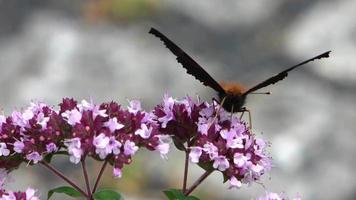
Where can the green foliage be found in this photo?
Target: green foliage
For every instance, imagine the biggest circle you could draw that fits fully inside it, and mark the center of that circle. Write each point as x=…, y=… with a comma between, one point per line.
x=174, y=194
x=64, y=190
x=107, y=194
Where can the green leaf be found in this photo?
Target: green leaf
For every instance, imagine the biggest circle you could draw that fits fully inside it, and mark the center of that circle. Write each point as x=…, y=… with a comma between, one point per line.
x=48, y=158
x=226, y=178
x=179, y=144
x=65, y=190
x=107, y=194
x=207, y=166
x=174, y=194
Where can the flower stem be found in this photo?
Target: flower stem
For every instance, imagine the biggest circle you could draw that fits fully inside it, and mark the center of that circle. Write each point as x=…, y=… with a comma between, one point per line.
x=87, y=183
x=99, y=175
x=186, y=166
x=198, y=182
x=61, y=175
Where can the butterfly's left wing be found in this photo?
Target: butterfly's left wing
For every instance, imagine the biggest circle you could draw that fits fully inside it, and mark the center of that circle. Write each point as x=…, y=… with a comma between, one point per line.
x=188, y=63
x=283, y=74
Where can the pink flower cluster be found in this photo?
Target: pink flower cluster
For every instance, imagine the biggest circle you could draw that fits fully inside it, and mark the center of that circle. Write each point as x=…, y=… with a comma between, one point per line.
x=104, y=131
x=216, y=139
x=275, y=196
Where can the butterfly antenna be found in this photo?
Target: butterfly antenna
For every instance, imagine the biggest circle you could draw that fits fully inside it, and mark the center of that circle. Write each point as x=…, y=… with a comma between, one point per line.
x=266, y=93
x=218, y=111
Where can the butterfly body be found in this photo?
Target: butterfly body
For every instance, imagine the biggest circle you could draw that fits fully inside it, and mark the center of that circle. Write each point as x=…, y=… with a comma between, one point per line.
x=232, y=96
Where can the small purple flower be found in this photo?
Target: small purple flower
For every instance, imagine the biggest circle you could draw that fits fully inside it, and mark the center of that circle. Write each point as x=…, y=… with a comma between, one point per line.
x=203, y=128
x=17, y=119
x=75, y=155
x=114, y=145
x=117, y=172
x=258, y=169
x=207, y=112
x=73, y=116
x=195, y=153
x=234, y=183
x=42, y=120
x=168, y=102
x=134, y=107
x=3, y=149
x=232, y=139
x=101, y=142
x=27, y=115
x=221, y=163
x=18, y=146
x=130, y=148
x=74, y=150
x=35, y=157
x=144, y=132
x=165, y=119
x=163, y=146
x=30, y=194
x=211, y=150
x=37, y=106
x=85, y=106
x=240, y=160
x=51, y=147
x=113, y=125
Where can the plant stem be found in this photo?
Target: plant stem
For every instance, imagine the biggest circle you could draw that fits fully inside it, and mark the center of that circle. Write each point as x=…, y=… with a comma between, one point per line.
x=99, y=175
x=87, y=183
x=60, y=174
x=186, y=166
x=198, y=182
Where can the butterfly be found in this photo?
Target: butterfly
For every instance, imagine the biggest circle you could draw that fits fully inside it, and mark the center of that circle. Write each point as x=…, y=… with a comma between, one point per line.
x=232, y=96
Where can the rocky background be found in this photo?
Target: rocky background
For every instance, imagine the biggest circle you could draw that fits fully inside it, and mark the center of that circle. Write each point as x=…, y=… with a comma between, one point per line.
x=101, y=49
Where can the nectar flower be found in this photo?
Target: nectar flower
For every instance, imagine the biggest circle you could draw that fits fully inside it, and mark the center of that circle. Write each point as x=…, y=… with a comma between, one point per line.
x=102, y=131
x=35, y=157
x=113, y=125
x=144, y=132
x=130, y=148
x=195, y=153
x=3, y=149
x=134, y=107
x=73, y=116
x=117, y=172
x=216, y=138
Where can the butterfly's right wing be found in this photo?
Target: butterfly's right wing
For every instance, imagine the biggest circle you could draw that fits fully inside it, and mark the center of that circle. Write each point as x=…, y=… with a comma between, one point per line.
x=280, y=76
x=188, y=63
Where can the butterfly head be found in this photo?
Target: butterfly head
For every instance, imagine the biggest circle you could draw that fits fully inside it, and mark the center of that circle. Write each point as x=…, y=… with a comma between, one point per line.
x=233, y=99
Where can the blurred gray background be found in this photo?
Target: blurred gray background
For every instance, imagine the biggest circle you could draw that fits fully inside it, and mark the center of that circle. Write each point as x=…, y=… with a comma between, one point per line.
x=101, y=49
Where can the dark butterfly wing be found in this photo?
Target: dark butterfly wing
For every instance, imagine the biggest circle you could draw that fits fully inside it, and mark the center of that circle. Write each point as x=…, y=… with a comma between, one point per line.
x=283, y=74
x=188, y=63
